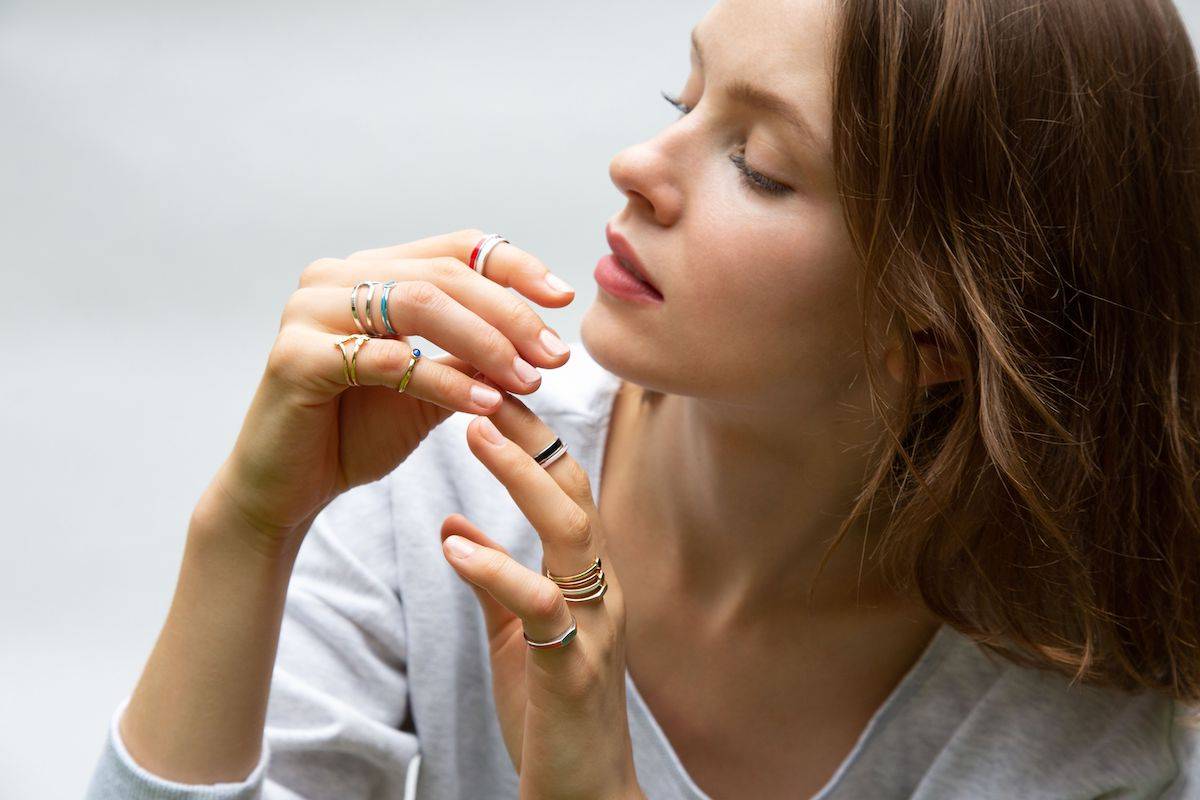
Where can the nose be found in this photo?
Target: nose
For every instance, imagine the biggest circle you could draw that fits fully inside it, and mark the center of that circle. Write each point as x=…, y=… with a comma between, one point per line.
x=646, y=174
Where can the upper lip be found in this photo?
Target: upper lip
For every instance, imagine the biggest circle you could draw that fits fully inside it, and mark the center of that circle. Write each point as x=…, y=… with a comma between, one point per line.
x=625, y=253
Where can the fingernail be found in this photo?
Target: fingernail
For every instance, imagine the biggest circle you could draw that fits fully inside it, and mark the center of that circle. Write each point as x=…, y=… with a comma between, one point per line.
x=460, y=547
x=484, y=396
x=556, y=283
x=524, y=371
x=489, y=431
x=554, y=345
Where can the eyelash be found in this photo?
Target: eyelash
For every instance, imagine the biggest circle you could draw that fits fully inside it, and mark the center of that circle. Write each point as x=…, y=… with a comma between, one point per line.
x=754, y=179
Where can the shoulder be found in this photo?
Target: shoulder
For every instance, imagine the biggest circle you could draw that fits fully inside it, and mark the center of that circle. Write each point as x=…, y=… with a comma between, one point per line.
x=1049, y=735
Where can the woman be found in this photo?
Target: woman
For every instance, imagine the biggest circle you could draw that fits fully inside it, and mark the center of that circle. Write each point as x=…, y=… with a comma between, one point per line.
x=892, y=452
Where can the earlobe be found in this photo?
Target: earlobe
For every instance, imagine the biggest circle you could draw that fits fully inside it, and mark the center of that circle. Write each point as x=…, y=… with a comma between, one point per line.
x=936, y=365
x=935, y=362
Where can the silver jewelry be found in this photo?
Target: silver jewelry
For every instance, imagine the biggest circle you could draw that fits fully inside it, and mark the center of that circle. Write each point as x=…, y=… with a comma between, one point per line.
x=354, y=307
x=483, y=249
x=558, y=641
x=552, y=452
x=383, y=312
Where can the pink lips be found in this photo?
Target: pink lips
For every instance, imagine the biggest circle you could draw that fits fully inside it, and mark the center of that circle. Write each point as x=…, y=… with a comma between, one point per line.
x=625, y=253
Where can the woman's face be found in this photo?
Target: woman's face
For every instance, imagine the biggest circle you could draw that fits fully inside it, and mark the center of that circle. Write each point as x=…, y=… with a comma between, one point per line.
x=759, y=287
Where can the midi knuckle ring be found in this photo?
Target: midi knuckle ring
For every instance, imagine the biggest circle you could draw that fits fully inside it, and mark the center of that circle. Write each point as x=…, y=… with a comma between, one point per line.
x=354, y=341
x=483, y=249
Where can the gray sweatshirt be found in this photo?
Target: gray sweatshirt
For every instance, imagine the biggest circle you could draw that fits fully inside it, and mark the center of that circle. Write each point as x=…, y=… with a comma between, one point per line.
x=382, y=685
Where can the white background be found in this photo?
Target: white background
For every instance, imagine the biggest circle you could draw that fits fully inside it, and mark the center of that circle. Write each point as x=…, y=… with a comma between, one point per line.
x=166, y=171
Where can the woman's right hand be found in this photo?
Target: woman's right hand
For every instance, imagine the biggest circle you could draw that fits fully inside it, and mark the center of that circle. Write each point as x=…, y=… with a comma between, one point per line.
x=308, y=437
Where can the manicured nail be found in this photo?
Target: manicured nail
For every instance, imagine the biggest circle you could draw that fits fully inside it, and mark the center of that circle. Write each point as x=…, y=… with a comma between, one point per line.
x=460, y=547
x=489, y=431
x=554, y=345
x=484, y=396
x=524, y=371
x=556, y=283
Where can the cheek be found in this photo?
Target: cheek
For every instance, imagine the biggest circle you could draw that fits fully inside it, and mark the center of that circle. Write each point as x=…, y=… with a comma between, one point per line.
x=795, y=277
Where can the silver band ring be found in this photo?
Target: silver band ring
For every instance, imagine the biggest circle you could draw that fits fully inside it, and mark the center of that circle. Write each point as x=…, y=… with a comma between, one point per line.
x=485, y=248
x=558, y=641
x=354, y=306
x=383, y=312
x=370, y=330
x=552, y=452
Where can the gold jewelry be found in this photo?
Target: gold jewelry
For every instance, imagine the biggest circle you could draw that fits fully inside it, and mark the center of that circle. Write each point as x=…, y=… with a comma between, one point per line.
x=412, y=362
x=349, y=365
x=583, y=586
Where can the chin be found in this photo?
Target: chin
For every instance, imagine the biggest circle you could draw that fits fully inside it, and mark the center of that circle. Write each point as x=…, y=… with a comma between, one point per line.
x=631, y=354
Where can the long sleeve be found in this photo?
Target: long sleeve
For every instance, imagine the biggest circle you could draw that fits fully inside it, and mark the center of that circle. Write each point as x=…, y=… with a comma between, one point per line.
x=338, y=721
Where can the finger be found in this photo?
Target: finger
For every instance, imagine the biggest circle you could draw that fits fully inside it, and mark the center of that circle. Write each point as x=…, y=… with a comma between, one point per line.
x=508, y=313
x=519, y=424
x=495, y=616
x=419, y=307
x=507, y=265
x=534, y=599
x=566, y=530
x=310, y=358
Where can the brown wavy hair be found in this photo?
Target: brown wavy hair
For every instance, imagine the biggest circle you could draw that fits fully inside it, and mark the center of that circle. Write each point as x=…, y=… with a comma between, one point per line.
x=1022, y=184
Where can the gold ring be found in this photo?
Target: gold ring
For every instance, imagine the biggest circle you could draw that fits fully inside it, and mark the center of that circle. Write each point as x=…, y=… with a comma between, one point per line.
x=349, y=365
x=412, y=362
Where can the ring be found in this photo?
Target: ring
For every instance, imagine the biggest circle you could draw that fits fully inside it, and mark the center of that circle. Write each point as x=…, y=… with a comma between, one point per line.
x=483, y=249
x=551, y=453
x=558, y=641
x=412, y=362
x=354, y=307
x=581, y=587
x=387, y=290
x=349, y=364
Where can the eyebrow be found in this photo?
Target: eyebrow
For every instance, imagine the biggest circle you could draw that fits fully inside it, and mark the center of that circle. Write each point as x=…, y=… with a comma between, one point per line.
x=752, y=95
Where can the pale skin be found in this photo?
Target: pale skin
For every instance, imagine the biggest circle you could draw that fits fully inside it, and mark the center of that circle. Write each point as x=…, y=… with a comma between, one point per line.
x=721, y=497
x=717, y=502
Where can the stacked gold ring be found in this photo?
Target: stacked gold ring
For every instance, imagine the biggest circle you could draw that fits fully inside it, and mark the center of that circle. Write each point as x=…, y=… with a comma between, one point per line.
x=583, y=586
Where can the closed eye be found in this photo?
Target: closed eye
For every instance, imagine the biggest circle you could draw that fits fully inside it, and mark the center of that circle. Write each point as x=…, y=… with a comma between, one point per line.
x=753, y=178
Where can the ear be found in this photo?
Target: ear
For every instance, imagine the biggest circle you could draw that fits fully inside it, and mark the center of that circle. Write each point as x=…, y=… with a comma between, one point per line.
x=935, y=362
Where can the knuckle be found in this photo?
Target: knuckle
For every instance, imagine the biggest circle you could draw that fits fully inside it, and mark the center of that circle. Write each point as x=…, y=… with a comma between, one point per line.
x=317, y=270
x=546, y=597
x=524, y=318
x=287, y=354
x=525, y=471
x=445, y=267
x=472, y=234
x=576, y=483
x=577, y=527
x=390, y=355
x=579, y=684
x=445, y=382
x=492, y=567
x=297, y=304
x=423, y=293
x=497, y=343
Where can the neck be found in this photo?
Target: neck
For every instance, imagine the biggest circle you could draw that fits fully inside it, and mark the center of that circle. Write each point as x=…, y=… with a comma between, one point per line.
x=736, y=508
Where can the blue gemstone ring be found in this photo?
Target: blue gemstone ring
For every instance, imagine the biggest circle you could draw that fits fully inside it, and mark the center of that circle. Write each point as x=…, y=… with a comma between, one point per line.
x=412, y=362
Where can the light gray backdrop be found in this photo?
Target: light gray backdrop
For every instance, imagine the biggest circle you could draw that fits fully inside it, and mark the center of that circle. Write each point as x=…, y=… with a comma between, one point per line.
x=166, y=171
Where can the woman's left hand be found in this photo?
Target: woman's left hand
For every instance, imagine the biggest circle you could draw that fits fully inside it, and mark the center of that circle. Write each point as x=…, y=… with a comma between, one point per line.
x=561, y=710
